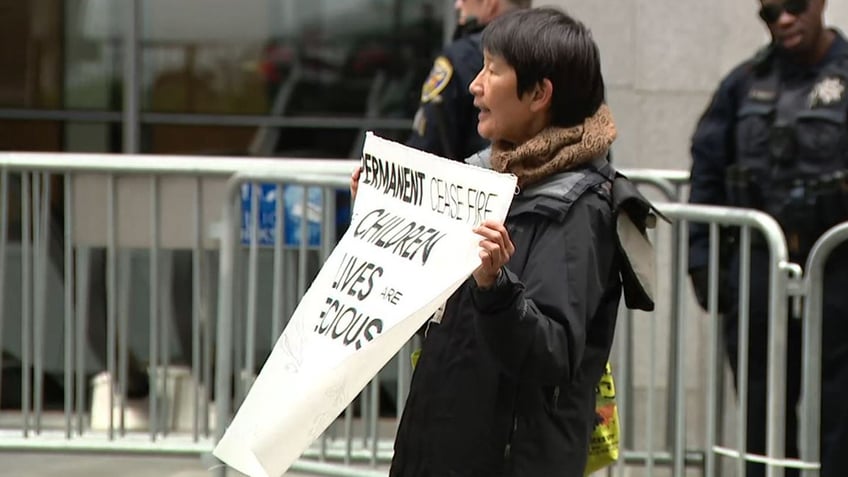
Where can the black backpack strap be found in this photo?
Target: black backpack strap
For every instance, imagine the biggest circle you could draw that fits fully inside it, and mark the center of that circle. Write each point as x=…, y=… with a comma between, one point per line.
x=634, y=214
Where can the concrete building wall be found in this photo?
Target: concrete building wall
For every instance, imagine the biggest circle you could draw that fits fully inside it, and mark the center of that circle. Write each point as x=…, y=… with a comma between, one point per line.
x=662, y=60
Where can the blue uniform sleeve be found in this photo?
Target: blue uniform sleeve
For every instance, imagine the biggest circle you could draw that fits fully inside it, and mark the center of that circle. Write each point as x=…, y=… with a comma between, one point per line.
x=713, y=150
x=444, y=124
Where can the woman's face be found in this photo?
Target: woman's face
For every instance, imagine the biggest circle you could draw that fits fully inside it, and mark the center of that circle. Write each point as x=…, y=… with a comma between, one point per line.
x=504, y=116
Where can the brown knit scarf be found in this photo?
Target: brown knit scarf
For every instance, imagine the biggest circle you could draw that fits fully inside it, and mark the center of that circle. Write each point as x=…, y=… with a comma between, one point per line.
x=556, y=149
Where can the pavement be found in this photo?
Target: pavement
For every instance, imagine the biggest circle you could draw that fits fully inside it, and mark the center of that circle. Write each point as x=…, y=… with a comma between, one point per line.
x=50, y=454
x=88, y=465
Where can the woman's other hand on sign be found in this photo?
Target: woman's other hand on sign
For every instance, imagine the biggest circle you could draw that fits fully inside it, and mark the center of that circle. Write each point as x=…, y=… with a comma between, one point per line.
x=496, y=248
x=354, y=182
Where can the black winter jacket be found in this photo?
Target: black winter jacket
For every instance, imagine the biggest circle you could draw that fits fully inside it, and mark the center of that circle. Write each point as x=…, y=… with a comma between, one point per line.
x=505, y=383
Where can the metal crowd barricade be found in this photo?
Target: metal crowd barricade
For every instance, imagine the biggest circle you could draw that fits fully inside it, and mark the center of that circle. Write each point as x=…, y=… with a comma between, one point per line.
x=672, y=307
x=367, y=440
x=810, y=407
x=252, y=313
x=372, y=446
x=121, y=204
x=779, y=291
x=670, y=184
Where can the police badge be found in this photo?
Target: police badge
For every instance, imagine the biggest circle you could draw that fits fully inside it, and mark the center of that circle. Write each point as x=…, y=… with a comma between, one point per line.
x=827, y=91
x=438, y=80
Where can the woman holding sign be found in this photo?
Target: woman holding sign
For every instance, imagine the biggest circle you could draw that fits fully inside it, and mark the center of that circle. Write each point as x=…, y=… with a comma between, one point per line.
x=505, y=383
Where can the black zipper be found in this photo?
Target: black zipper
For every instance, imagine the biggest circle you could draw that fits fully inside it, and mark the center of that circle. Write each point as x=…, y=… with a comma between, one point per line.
x=508, y=448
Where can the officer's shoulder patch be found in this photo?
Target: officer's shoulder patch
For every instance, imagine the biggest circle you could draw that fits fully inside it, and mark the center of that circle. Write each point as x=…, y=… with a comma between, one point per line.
x=438, y=80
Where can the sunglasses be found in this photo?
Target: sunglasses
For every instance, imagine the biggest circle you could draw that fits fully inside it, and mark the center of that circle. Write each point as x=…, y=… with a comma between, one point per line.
x=771, y=12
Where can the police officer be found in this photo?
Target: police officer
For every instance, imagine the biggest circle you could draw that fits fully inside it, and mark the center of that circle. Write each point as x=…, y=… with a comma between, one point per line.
x=446, y=121
x=775, y=138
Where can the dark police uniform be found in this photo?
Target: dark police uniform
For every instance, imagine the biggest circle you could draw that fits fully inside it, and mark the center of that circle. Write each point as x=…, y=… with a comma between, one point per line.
x=775, y=138
x=446, y=121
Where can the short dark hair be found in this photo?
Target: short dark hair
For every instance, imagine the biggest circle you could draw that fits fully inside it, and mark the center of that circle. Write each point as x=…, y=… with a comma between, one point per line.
x=547, y=43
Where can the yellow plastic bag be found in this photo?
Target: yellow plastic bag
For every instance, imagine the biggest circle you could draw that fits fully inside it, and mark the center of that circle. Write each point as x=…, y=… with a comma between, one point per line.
x=414, y=357
x=603, y=448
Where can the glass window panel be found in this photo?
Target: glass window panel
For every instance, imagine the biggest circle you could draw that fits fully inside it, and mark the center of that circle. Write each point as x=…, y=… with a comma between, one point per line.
x=356, y=58
x=30, y=53
x=316, y=142
x=92, y=137
x=94, y=36
x=30, y=135
x=61, y=54
x=196, y=140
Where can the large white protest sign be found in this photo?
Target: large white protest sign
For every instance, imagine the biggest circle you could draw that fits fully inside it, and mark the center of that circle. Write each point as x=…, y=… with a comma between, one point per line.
x=409, y=246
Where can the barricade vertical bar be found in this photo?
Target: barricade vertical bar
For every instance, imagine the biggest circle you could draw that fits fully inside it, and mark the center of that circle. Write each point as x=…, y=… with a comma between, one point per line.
x=744, y=321
x=290, y=286
x=373, y=417
x=652, y=379
x=286, y=287
x=621, y=393
x=166, y=319
x=196, y=300
x=810, y=415
x=154, y=303
x=322, y=455
x=82, y=273
x=208, y=365
x=26, y=301
x=674, y=333
x=364, y=410
x=69, y=303
x=304, y=244
x=123, y=286
x=328, y=233
x=778, y=335
x=279, y=241
x=224, y=357
x=348, y=433
x=37, y=303
x=111, y=289
x=713, y=373
x=238, y=318
x=327, y=206
x=322, y=450
x=40, y=260
x=323, y=241
x=719, y=364
x=679, y=449
x=252, y=274
x=44, y=253
x=652, y=364
x=626, y=379
x=4, y=233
